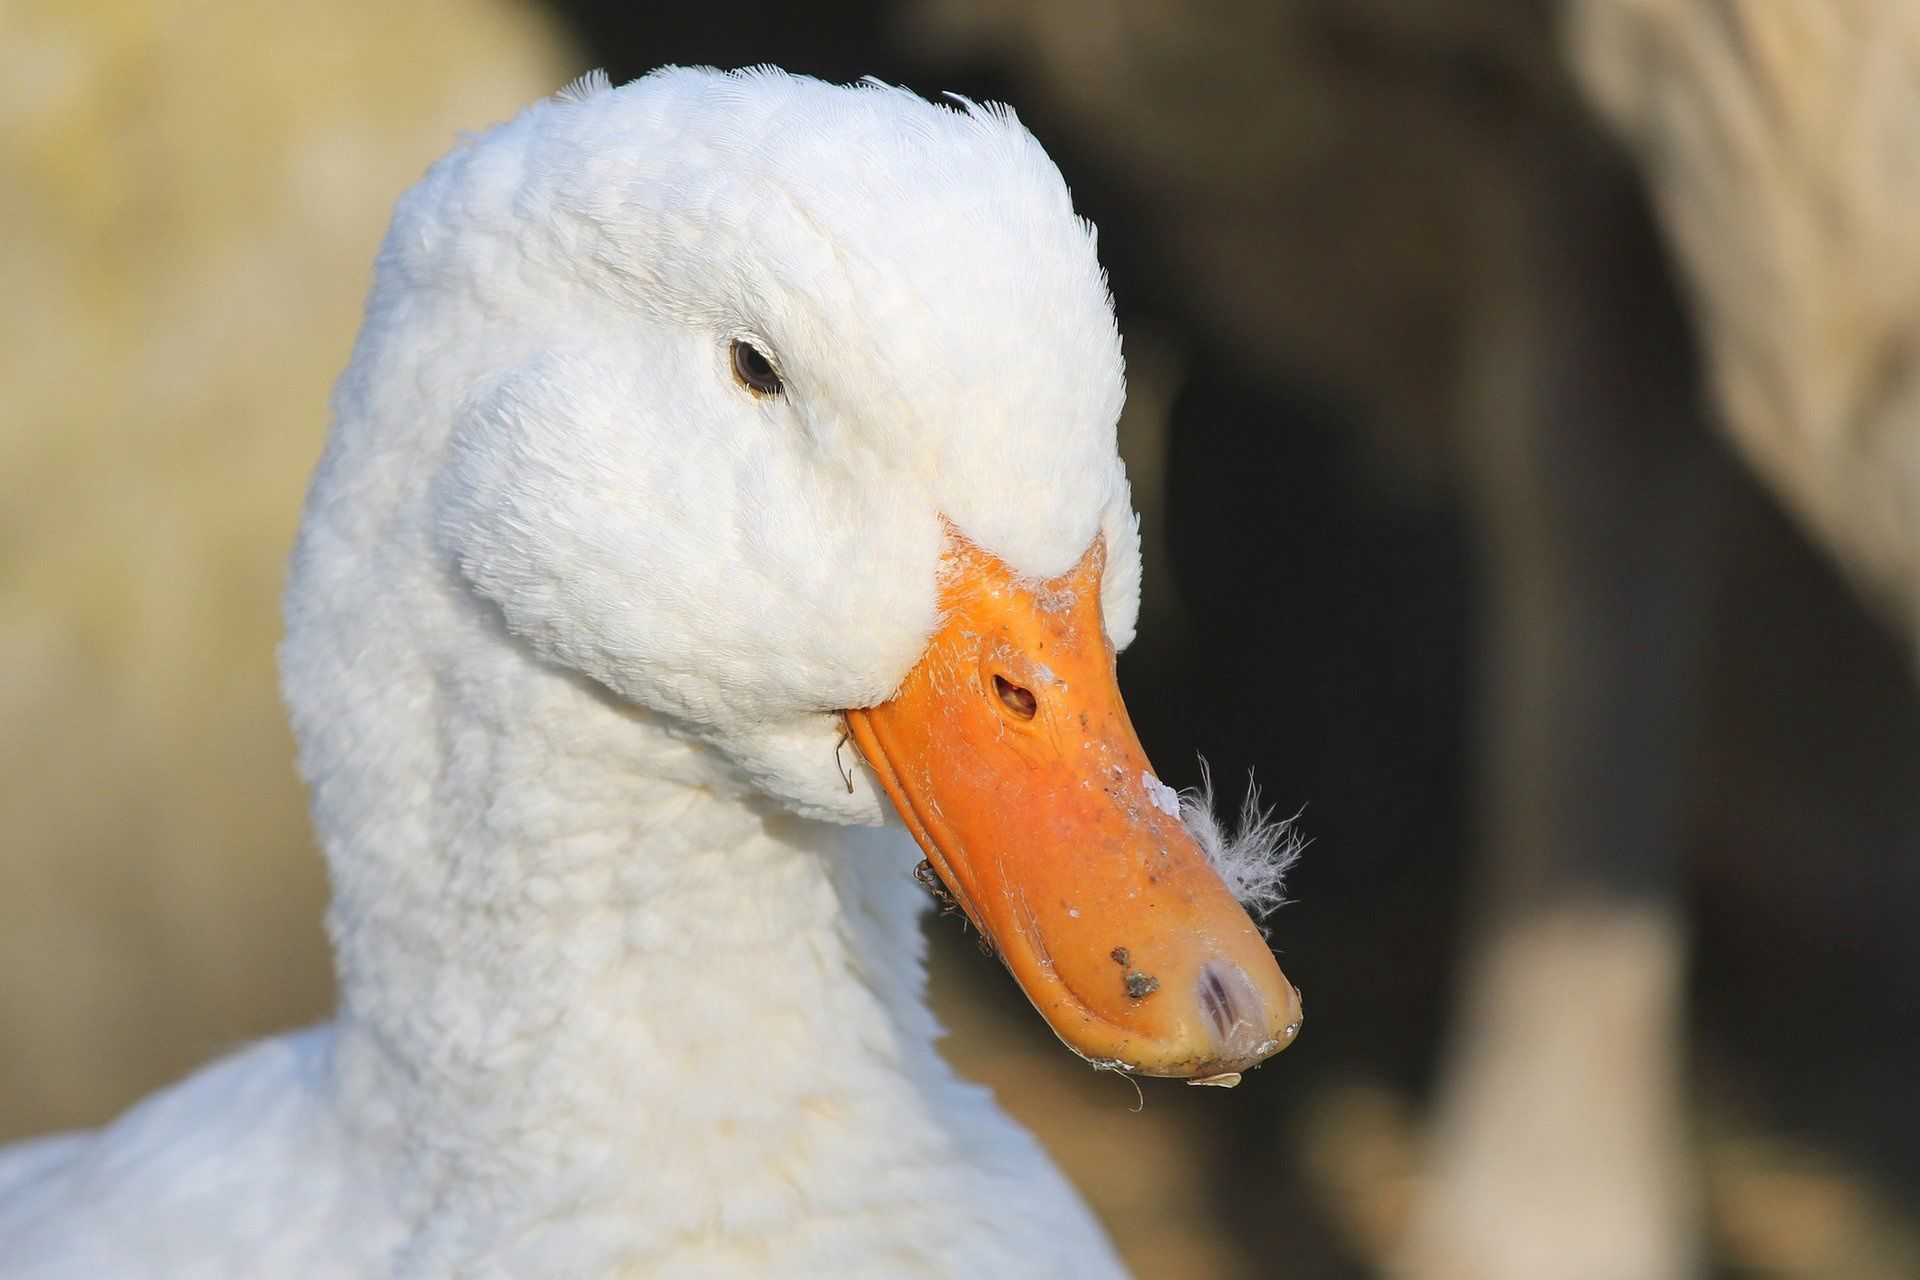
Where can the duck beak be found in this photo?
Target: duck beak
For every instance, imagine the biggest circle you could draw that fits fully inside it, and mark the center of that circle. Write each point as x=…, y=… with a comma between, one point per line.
x=1010, y=755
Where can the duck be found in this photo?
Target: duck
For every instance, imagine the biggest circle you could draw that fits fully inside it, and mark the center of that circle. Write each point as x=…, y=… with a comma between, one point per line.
x=718, y=540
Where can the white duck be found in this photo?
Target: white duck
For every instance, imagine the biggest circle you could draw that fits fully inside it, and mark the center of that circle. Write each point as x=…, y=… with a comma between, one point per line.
x=686, y=416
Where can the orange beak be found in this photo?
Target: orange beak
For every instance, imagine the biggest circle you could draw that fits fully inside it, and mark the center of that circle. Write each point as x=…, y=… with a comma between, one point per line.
x=1010, y=755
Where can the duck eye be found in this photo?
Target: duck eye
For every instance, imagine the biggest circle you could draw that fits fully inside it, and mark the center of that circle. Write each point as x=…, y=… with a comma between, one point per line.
x=1019, y=702
x=755, y=371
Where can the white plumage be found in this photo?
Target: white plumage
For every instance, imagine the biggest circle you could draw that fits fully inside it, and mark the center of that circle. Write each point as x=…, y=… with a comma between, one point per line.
x=622, y=991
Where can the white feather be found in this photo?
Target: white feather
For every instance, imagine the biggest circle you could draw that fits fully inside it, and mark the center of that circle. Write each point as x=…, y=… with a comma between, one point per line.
x=1255, y=858
x=584, y=87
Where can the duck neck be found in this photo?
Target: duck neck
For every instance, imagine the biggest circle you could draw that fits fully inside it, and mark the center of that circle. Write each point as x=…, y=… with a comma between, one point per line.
x=580, y=976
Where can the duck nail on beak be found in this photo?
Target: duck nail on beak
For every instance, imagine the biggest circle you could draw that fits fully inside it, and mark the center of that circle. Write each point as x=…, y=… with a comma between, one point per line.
x=1010, y=755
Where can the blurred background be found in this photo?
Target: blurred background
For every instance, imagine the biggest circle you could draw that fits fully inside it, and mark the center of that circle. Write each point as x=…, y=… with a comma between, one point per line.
x=1525, y=419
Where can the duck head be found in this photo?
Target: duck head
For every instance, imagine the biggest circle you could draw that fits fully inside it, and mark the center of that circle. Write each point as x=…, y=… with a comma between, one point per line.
x=783, y=412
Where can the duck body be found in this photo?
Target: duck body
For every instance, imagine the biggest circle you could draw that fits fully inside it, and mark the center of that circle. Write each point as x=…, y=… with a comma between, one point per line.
x=270, y=1164
x=631, y=973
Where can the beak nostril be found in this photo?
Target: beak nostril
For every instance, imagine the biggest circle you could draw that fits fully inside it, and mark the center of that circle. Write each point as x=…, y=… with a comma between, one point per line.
x=1019, y=702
